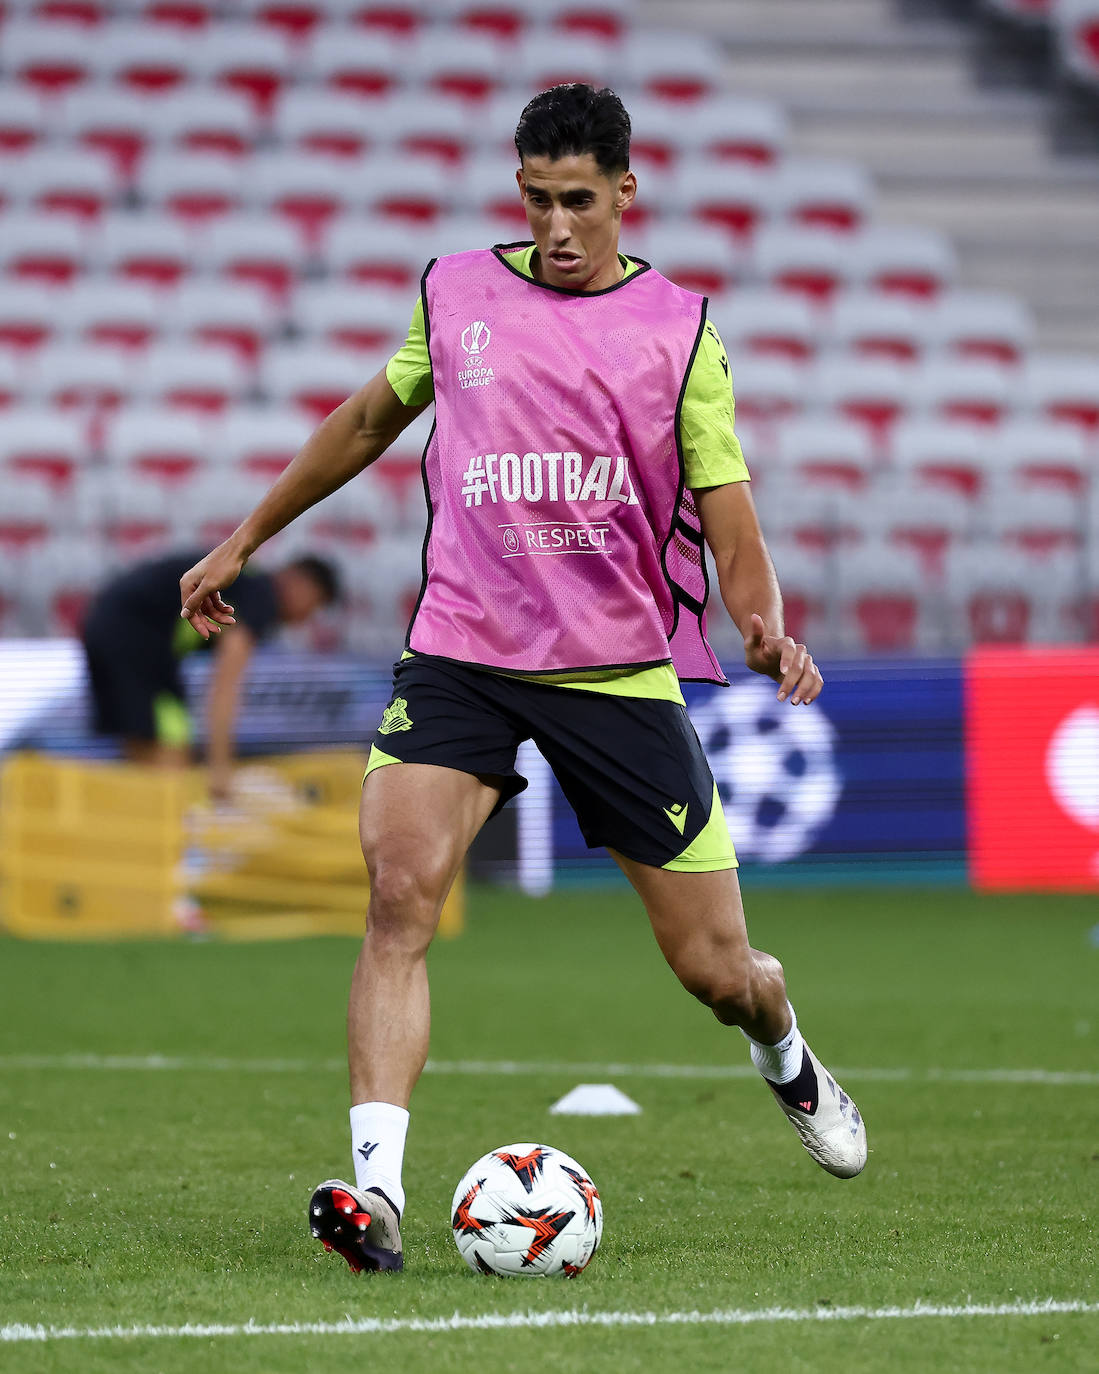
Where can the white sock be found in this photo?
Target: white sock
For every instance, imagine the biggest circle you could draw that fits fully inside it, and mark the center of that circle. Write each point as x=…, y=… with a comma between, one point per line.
x=782, y=1062
x=378, y=1131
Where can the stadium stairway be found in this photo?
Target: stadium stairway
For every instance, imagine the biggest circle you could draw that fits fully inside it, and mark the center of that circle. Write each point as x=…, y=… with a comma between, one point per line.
x=899, y=97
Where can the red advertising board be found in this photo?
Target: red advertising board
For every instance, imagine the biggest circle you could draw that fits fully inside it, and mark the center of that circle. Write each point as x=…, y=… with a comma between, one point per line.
x=1032, y=764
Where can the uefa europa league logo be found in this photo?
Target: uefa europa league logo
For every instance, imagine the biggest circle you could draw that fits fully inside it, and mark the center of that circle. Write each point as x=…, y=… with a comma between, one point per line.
x=476, y=337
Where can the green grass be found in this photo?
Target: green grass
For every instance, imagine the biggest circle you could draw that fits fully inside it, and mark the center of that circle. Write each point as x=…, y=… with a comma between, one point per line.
x=131, y=1196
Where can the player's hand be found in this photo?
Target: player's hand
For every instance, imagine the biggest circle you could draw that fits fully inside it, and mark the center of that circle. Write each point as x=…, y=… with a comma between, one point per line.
x=779, y=657
x=200, y=590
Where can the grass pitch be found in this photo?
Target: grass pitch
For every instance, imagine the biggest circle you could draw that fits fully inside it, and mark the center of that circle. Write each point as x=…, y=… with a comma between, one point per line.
x=136, y=1192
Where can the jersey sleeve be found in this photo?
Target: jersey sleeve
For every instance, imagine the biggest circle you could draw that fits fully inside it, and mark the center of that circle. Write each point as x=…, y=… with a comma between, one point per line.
x=712, y=455
x=408, y=372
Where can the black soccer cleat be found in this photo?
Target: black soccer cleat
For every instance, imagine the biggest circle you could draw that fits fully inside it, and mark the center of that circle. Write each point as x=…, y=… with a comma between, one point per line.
x=363, y=1227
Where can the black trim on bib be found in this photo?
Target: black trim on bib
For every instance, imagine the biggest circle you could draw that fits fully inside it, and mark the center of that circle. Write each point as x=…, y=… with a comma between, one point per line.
x=499, y=249
x=423, y=461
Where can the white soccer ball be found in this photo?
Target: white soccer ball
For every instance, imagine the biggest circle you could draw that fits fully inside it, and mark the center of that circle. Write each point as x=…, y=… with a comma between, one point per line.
x=527, y=1210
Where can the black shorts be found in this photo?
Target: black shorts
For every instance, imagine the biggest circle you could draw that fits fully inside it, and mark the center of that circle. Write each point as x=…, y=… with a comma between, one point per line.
x=631, y=768
x=136, y=688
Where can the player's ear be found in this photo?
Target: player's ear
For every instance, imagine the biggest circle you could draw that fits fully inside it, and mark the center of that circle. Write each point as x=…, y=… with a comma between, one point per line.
x=520, y=182
x=627, y=189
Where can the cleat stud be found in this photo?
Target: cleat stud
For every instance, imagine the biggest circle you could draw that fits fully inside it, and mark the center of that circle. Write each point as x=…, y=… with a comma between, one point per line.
x=316, y=1230
x=316, y=1211
x=348, y=1209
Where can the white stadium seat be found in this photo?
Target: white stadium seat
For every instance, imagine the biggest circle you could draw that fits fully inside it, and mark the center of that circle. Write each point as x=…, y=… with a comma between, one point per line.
x=812, y=262
x=551, y=59
x=81, y=375
x=47, y=58
x=1043, y=453
x=30, y=314
x=734, y=197
x=203, y=119
x=23, y=117
x=325, y=122
x=958, y=389
x=826, y=450
x=907, y=260
x=261, y=439
x=363, y=63
x=42, y=440
x=151, y=248
x=315, y=380
x=193, y=187
x=760, y=320
x=113, y=313
x=202, y=378
x=241, y=314
x=254, y=248
x=875, y=324
x=34, y=246
x=945, y=453
x=63, y=181
x=700, y=257
x=983, y=325
x=673, y=66
x=1063, y=387
x=822, y=194
x=384, y=252
x=337, y=314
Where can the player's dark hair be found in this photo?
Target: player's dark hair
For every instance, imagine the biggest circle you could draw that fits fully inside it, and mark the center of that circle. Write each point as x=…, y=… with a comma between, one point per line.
x=573, y=120
x=323, y=573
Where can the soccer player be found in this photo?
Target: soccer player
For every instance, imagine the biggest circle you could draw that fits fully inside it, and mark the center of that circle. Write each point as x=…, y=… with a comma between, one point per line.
x=134, y=643
x=583, y=452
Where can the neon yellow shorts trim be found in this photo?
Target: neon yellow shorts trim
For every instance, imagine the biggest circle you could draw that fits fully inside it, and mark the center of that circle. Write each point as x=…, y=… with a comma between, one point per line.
x=171, y=721
x=711, y=849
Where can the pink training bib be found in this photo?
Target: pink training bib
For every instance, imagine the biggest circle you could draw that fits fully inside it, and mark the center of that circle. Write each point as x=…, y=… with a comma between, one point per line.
x=561, y=535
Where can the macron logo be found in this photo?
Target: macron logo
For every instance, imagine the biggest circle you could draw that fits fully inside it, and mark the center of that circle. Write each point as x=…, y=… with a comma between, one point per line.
x=368, y=1149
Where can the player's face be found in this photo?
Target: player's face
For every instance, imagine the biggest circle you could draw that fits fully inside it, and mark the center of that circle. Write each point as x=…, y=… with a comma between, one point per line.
x=575, y=212
x=299, y=595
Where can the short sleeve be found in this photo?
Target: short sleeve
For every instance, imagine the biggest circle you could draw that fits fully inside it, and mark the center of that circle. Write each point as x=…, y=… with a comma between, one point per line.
x=408, y=372
x=712, y=454
x=255, y=603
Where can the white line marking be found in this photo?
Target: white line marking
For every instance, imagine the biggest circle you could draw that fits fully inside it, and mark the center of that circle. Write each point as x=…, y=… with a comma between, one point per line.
x=510, y=1068
x=494, y=1321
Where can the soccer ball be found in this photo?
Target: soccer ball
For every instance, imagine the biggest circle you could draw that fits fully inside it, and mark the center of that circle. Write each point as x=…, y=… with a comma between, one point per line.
x=527, y=1210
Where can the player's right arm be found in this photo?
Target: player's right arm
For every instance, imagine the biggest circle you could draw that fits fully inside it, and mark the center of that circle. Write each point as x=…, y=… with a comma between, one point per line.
x=347, y=441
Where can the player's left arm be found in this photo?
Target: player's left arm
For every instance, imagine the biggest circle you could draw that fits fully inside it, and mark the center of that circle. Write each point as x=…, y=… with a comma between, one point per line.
x=234, y=650
x=750, y=590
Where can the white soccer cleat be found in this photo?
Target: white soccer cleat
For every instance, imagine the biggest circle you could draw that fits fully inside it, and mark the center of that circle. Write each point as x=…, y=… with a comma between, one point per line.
x=832, y=1128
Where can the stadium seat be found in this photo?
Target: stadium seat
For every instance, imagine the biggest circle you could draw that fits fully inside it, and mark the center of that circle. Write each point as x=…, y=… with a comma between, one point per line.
x=256, y=249
x=826, y=450
x=157, y=441
x=219, y=501
x=378, y=251
x=29, y=512
x=767, y=389
x=136, y=512
x=320, y=121
x=873, y=324
x=409, y=190
x=359, y=514
x=179, y=14
x=732, y=197
x=41, y=443
x=1042, y=454
x=304, y=188
x=111, y=120
x=982, y=325
x=957, y=389
x=49, y=59
x=733, y=129
x=23, y=120
x=243, y=57
x=242, y=315
x=396, y=18
x=1035, y=519
x=315, y=381
x=883, y=606
x=441, y=128
x=383, y=584
x=150, y=58
x=115, y=314
x=1063, y=387
x=805, y=576
x=463, y=234
x=466, y=65
x=260, y=439
x=88, y=378
x=816, y=518
x=292, y=20
x=822, y=194
x=63, y=181
x=499, y=19
x=954, y=456
x=873, y=392
x=1077, y=24
x=29, y=314
x=698, y=256
x=203, y=119
x=359, y=63
x=151, y=249
x=203, y=379
x=49, y=249
x=58, y=578
x=608, y=20
x=906, y=261
x=999, y=595
x=760, y=321
x=677, y=67
x=193, y=187
x=551, y=59
x=14, y=381
x=914, y=515
x=490, y=191
x=336, y=314
x=812, y=262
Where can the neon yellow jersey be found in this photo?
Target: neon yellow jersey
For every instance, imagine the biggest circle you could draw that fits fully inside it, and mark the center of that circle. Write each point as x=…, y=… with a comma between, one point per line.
x=712, y=457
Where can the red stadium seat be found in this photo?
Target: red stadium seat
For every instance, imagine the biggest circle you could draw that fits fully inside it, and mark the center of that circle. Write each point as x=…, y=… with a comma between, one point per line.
x=30, y=315
x=1035, y=519
x=320, y=121
x=906, y=261
x=763, y=322
x=874, y=324
x=67, y=182
x=335, y=314
x=550, y=59
x=1064, y=387
x=826, y=451
x=378, y=251
x=261, y=439
x=607, y=20
x=49, y=249
x=241, y=57
x=151, y=249
x=158, y=442
x=820, y=194
x=673, y=66
x=180, y=14
x=306, y=189
x=465, y=65
x=111, y=120
x=882, y=600
x=698, y=256
x=871, y=391
x=811, y=262
x=256, y=249
x=48, y=58
x=1044, y=454
x=397, y=18
x=205, y=380
x=13, y=377
x=43, y=444
x=955, y=457
x=114, y=314
x=1077, y=23
x=366, y=63
x=976, y=393
x=240, y=315
x=982, y=325
x=151, y=59
x=193, y=187
x=76, y=376
x=499, y=19
x=201, y=119
x=732, y=197
x=313, y=380
x=732, y=129
x=23, y=120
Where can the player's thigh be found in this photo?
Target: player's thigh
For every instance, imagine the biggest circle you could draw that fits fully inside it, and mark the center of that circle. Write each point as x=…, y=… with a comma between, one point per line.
x=697, y=918
x=416, y=822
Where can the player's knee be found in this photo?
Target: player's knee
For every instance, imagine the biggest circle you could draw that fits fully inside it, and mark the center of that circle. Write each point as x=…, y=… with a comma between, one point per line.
x=404, y=904
x=719, y=979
